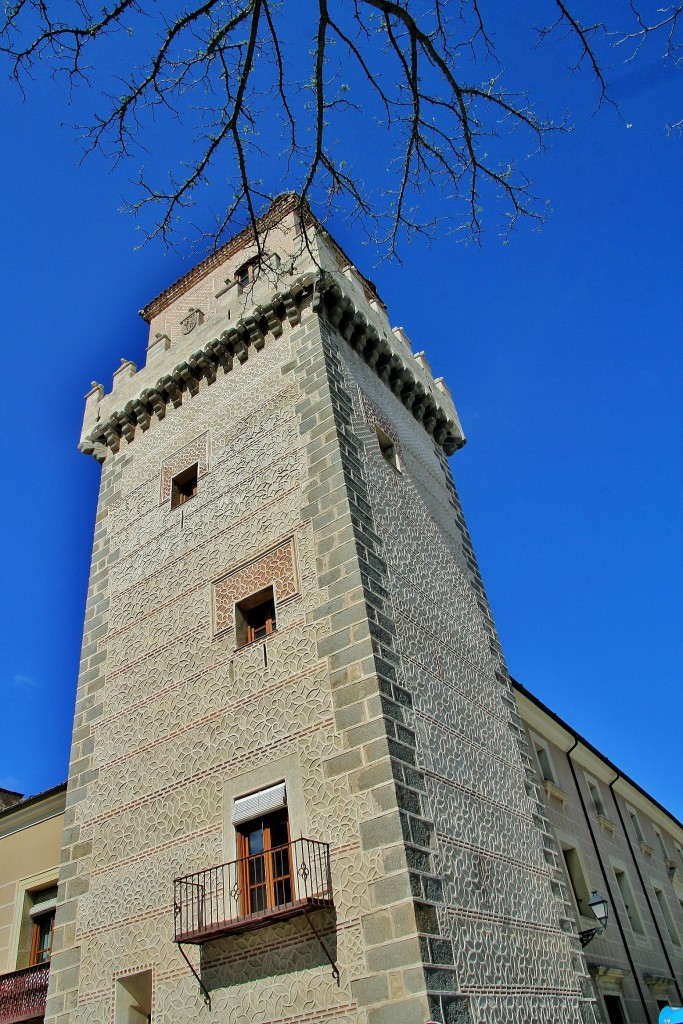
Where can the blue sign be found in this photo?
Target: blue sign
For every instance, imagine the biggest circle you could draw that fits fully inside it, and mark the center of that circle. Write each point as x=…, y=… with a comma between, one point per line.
x=671, y=1015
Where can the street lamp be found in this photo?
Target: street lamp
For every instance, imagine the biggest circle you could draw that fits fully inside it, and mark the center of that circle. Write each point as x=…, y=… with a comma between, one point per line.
x=600, y=908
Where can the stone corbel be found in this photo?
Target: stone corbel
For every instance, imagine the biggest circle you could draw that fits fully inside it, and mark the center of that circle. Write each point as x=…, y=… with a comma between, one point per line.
x=375, y=350
x=358, y=339
x=440, y=428
x=127, y=426
x=188, y=376
x=355, y=323
x=420, y=402
x=232, y=340
x=140, y=412
x=429, y=421
x=172, y=389
x=203, y=366
x=273, y=321
x=110, y=432
x=451, y=444
x=98, y=450
x=335, y=313
x=291, y=309
x=219, y=351
x=369, y=339
x=150, y=396
x=255, y=333
x=400, y=380
x=386, y=365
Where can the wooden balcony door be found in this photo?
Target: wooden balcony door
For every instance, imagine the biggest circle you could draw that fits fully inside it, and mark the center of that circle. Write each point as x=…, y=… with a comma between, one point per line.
x=266, y=863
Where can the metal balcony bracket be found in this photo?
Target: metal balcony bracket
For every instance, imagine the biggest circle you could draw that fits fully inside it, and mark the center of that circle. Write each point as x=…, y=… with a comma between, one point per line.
x=207, y=997
x=323, y=946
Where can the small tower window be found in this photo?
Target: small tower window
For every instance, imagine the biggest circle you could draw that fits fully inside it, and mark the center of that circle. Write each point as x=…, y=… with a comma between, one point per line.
x=387, y=446
x=184, y=485
x=255, y=617
x=246, y=274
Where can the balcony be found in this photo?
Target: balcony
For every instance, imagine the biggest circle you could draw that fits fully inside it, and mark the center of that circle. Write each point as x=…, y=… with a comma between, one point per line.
x=23, y=994
x=252, y=892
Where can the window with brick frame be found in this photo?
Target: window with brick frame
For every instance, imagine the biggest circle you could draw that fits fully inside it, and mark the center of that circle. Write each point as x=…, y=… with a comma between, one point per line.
x=255, y=617
x=184, y=485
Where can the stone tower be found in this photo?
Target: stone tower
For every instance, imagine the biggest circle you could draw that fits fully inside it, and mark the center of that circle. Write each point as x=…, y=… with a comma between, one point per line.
x=299, y=787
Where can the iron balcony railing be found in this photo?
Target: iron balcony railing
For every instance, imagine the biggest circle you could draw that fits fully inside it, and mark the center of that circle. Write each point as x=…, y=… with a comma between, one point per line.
x=252, y=891
x=23, y=994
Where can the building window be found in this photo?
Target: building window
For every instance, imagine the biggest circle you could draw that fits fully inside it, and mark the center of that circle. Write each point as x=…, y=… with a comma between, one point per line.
x=184, y=485
x=662, y=845
x=263, y=846
x=636, y=825
x=543, y=757
x=38, y=927
x=629, y=901
x=133, y=999
x=387, y=446
x=615, y=1010
x=668, y=917
x=255, y=617
x=577, y=879
x=594, y=791
x=41, y=941
x=246, y=274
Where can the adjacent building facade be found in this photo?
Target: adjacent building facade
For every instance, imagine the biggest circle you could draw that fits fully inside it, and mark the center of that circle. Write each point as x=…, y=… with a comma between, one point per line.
x=300, y=787
x=615, y=839
x=30, y=843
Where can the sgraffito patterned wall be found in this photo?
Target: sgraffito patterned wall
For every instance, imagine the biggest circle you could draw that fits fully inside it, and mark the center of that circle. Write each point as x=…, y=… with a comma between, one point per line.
x=178, y=712
x=489, y=897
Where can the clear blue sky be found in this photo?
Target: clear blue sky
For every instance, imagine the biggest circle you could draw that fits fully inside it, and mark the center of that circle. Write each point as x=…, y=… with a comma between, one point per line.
x=563, y=350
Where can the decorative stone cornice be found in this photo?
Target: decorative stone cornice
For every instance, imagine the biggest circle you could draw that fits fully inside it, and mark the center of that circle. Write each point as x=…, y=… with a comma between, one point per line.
x=659, y=984
x=328, y=299
x=608, y=973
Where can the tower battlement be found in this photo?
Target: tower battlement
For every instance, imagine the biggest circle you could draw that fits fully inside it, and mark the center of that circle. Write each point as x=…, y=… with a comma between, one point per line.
x=232, y=303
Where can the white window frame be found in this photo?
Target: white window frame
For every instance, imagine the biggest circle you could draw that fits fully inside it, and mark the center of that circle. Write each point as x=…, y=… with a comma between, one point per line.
x=669, y=921
x=538, y=743
x=635, y=822
x=618, y=870
x=593, y=787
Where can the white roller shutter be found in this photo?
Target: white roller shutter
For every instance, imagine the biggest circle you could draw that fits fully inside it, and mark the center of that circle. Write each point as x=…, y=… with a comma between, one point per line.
x=263, y=802
x=43, y=908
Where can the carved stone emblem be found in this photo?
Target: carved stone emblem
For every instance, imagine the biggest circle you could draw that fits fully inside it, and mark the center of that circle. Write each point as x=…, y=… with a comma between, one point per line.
x=194, y=318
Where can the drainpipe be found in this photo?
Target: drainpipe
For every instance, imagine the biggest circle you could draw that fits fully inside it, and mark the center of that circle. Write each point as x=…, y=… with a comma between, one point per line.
x=606, y=880
x=642, y=886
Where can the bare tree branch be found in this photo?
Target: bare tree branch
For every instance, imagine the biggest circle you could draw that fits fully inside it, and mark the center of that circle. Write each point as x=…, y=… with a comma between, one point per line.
x=253, y=114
